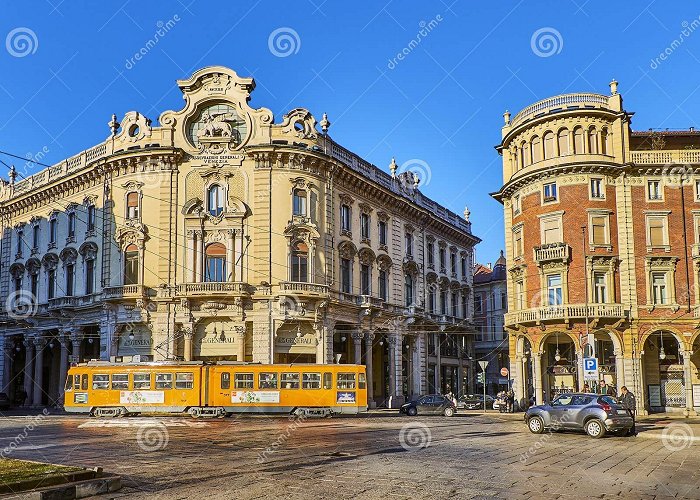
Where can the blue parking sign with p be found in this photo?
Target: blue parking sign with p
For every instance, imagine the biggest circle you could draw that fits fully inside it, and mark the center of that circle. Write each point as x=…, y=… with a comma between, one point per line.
x=590, y=364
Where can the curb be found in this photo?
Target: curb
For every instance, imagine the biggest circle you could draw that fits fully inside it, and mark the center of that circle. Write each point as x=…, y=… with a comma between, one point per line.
x=80, y=489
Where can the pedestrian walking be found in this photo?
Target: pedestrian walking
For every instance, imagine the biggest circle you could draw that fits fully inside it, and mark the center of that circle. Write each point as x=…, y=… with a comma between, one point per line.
x=510, y=398
x=629, y=402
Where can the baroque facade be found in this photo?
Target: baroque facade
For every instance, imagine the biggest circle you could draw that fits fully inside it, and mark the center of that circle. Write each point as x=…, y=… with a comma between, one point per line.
x=490, y=307
x=219, y=234
x=602, y=231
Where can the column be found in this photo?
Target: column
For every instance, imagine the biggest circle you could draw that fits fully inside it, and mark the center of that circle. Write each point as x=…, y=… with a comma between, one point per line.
x=238, y=276
x=190, y=271
x=357, y=346
x=28, y=369
x=187, y=334
x=438, y=362
x=39, y=343
x=7, y=367
x=518, y=379
x=369, y=344
x=232, y=276
x=63, y=370
x=537, y=377
x=619, y=370
x=688, y=383
x=199, y=257
x=76, y=339
x=394, y=346
x=240, y=338
x=4, y=361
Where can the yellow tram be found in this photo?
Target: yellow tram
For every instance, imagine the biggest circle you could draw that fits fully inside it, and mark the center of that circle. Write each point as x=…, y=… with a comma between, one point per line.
x=103, y=389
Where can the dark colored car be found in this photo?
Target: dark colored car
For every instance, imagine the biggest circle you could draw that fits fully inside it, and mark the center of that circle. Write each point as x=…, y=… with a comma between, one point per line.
x=432, y=404
x=475, y=402
x=4, y=401
x=593, y=413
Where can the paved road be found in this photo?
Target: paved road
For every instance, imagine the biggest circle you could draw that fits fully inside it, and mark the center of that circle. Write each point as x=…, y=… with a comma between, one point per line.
x=380, y=456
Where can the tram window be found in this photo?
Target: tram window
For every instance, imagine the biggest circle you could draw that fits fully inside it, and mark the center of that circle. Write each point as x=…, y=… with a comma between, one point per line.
x=120, y=381
x=84, y=384
x=100, y=381
x=243, y=380
x=184, y=380
x=164, y=380
x=328, y=380
x=346, y=381
x=267, y=381
x=142, y=381
x=361, y=381
x=290, y=381
x=311, y=381
x=69, y=383
x=225, y=380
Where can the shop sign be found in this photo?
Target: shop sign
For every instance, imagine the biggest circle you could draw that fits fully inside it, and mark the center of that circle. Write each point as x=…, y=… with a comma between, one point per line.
x=255, y=397
x=294, y=340
x=141, y=397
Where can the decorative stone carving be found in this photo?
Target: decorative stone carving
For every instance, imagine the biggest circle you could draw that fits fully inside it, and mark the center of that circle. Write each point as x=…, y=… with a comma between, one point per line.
x=347, y=250
x=300, y=123
x=68, y=255
x=50, y=261
x=366, y=256
x=384, y=262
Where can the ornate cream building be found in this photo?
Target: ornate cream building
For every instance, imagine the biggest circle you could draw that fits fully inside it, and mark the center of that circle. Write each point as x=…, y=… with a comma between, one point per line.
x=602, y=236
x=220, y=234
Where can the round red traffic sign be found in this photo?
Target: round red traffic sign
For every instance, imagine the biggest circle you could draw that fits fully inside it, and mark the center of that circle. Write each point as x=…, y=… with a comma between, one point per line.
x=504, y=372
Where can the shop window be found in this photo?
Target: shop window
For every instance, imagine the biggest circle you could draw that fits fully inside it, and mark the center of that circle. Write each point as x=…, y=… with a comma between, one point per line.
x=267, y=381
x=243, y=380
x=311, y=381
x=290, y=380
x=184, y=380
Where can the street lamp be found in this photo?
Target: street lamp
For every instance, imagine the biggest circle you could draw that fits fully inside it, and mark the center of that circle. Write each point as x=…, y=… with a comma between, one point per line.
x=662, y=353
x=557, y=356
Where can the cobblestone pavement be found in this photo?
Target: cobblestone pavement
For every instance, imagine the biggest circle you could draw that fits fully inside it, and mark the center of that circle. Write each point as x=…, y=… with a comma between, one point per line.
x=377, y=456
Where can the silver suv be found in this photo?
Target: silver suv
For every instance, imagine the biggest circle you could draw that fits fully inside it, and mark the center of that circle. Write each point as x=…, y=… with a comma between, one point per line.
x=594, y=413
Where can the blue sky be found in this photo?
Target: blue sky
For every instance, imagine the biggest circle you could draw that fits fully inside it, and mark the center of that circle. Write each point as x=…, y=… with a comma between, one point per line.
x=65, y=69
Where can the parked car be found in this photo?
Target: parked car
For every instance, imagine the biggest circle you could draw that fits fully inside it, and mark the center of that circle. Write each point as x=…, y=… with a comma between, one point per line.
x=593, y=413
x=432, y=404
x=4, y=401
x=475, y=402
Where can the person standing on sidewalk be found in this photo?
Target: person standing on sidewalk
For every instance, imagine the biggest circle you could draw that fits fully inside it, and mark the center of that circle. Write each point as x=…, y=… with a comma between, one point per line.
x=629, y=402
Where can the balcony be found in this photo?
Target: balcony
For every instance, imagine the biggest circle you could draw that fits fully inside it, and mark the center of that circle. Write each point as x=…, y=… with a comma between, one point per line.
x=666, y=157
x=564, y=313
x=209, y=288
x=552, y=251
x=558, y=103
x=302, y=288
x=123, y=292
x=73, y=302
x=369, y=301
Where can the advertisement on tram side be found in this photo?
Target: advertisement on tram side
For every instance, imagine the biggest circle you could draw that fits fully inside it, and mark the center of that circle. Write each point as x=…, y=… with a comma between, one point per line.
x=255, y=397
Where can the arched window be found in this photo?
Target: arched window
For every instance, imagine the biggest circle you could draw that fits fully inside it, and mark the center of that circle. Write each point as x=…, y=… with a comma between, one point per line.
x=563, y=140
x=131, y=265
x=215, y=203
x=536, y=148
x=408, y=290
x=604, y=146
x=132, y=205
x=593, y=141
x=300, y=262
x=524, y=155
x=215, y=262
x=549, y=145
x=579, y=147
x=299, y=202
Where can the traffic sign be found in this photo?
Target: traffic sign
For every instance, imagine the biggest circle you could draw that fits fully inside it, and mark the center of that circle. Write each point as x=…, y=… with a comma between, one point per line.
x=590, y=369
x=483, y=365
x=504, y=372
